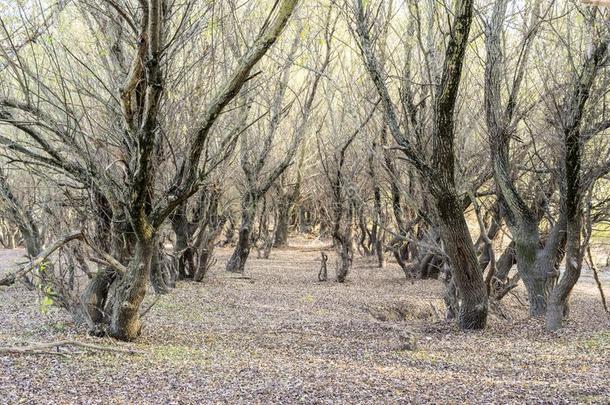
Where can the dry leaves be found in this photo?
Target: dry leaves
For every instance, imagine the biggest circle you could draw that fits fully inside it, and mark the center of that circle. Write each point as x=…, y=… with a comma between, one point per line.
x=284, y=337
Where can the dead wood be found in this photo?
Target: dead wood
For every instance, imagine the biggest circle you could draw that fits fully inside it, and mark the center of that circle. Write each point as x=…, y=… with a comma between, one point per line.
x=46, y=348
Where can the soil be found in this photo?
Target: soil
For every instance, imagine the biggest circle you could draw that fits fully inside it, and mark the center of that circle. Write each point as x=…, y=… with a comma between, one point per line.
x=281, y=336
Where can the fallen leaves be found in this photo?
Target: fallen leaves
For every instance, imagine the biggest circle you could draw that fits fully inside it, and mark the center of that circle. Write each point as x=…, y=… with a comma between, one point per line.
x=286, y=338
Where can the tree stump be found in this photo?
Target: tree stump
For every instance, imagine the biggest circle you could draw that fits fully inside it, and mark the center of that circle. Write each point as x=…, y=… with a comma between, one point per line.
x=323, y=273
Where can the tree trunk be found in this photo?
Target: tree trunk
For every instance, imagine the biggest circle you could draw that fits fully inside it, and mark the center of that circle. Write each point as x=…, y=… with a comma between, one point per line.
x=108, y=237
x=451, y=298
x=230, y=231
x=264, y=241
x=205, y=262
x=12, y=244
x=558, y=301
x=573, y=192
x=345, y=253
x=465, y=267
x=377, y=230
x=325, y=225
x=520, y=218
x=488, y=234
x=527, y=254
x=125, y=321
x=205, y=246
x=183, y=231
x=160, y=276
x=506, y=262
x=364, y=234
x=93, y=300
x=378, y=221
x=379, y=251
x=430, y=266
x=440, y=172
x=344, y=246
x=237, y=262
x=565, y=234
x=281, y=226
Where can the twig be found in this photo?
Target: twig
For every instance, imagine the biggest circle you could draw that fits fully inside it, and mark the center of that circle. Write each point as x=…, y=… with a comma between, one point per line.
x=323, y=273
x=150, y=306
x=517, y=298
x=436, y=314
x=596, y=277
x=10, y=278
x=504, y=288
x=38, y=260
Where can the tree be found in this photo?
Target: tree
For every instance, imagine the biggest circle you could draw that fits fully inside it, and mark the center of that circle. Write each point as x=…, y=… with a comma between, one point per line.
x=133, y=144
x=259, y=175
x=439, y=173
x=571, y=126
x=521, y=219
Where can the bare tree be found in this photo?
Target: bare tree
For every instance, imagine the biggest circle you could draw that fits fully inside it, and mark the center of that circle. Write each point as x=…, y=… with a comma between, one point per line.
x=571, y=127
x=259, y=177
x=438, y=173
x=134, y=145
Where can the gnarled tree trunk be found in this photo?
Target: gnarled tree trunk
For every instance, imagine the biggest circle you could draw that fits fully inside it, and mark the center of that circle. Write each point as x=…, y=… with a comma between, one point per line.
x=464, y=264
x=129, y=293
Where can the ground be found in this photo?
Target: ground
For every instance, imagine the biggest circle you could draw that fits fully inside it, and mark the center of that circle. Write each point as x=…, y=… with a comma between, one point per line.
x=284, y=337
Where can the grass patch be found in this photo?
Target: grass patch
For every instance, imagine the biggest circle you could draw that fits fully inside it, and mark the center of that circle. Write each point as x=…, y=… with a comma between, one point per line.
x=598, y=342
x=179, y=354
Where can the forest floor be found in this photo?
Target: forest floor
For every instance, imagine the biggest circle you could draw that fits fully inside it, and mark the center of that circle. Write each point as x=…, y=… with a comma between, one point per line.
x=283, y=337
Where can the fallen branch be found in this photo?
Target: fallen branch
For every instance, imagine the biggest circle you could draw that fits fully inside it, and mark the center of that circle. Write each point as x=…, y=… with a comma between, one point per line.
x=43, y=348
x=106, y=258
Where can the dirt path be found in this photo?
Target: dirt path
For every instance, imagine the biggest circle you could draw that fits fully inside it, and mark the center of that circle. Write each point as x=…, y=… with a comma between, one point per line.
x=282, y=337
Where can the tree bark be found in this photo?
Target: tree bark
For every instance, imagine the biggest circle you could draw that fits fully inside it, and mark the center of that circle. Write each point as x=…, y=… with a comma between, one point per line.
x=506, y=262
x=344, y=244
x=183, y=230
x=534, y=278
x=464, y=265
x=237, y=262
x=159, y=271
x=378, y=222
x=281, y=225
x=521, y=220
x=93, y=299
x=125, y=323
x=571, y=128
